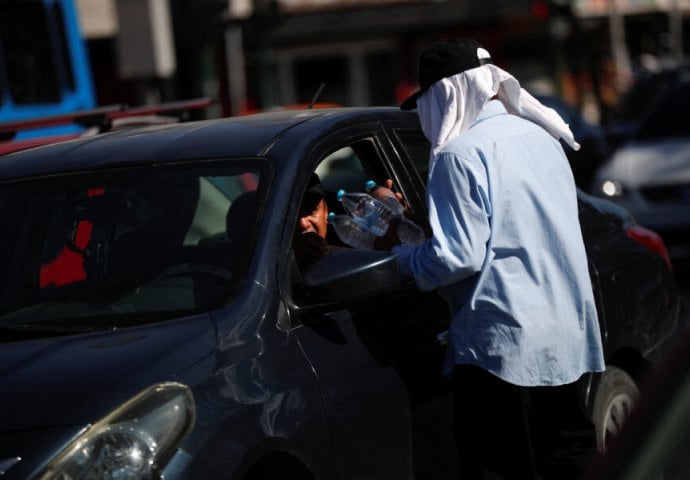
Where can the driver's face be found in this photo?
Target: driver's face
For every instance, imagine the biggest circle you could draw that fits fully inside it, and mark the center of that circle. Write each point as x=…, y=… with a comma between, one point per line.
x=315, y=221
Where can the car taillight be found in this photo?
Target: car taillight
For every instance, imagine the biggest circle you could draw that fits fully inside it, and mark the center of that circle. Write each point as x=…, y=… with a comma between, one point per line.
x=651, y=240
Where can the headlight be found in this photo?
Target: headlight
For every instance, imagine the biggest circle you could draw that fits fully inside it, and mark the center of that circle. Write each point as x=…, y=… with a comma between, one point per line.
x=611, y=188
x=135, y=441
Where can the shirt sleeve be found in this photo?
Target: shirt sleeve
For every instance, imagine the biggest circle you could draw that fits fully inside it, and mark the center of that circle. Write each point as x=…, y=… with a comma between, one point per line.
x=459, y=215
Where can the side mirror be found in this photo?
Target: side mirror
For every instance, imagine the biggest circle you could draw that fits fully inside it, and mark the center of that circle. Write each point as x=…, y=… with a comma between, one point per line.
x=352, y=274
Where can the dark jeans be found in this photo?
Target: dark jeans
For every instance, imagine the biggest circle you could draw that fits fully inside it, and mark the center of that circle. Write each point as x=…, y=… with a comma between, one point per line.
x=504, y=431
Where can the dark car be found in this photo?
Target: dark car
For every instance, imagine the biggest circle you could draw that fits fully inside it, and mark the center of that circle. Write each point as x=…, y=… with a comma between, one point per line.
x=155, y=321
x=649, y=174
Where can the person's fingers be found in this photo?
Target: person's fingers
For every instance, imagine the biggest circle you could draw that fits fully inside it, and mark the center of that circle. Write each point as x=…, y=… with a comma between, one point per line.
x=389, y=185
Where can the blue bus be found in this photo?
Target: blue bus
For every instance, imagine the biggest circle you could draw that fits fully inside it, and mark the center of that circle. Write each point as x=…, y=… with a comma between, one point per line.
x=44, y=65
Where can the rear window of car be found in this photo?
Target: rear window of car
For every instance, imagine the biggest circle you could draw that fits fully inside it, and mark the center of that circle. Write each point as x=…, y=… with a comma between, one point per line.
x=94, y=251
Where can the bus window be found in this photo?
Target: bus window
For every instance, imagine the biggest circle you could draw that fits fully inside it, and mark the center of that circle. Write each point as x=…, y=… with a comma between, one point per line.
x=27, y=53
x=44, y=68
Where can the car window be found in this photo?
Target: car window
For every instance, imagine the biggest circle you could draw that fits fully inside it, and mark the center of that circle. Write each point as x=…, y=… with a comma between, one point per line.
x=417, y=148
x=341, y=169
x=350, y=166
x=121, y=247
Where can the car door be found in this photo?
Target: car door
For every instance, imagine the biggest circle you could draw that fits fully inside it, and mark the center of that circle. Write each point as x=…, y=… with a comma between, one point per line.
x=407, y=150
x=378, y=360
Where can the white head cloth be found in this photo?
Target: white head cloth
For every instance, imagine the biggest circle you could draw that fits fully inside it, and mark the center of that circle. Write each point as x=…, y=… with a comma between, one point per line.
x=452, y=104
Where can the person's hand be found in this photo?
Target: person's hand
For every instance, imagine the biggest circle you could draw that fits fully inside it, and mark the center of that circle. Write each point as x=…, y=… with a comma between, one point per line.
x=309, y=247
x=389, y=185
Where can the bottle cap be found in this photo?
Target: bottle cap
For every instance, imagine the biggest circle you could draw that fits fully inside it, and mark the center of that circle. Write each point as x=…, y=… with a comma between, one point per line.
x=340, y=194
x=370, y=185
x=331, y=217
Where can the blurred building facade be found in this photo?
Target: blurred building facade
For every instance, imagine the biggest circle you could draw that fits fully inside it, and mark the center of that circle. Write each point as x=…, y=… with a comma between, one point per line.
x=261, y=54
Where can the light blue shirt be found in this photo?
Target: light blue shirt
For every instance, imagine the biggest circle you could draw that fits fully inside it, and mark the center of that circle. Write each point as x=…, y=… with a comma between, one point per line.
x=508, y=255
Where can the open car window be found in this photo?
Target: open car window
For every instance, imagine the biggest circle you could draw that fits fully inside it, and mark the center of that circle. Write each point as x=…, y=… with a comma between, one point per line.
x=350, y=166
x=127, y=246
x=417, y=149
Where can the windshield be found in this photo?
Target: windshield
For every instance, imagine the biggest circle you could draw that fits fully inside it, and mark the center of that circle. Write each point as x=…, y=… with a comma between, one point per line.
x=123, y=247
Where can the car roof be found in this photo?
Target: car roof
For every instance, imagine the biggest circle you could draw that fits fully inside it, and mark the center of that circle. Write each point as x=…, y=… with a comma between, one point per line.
x=242, y=136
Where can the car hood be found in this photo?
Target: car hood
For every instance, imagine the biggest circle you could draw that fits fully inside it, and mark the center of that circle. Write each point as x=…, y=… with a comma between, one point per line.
x=77, y=379
x=650, y=163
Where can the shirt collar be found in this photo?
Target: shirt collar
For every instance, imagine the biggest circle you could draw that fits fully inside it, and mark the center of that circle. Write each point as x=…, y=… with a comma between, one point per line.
x=491, y=109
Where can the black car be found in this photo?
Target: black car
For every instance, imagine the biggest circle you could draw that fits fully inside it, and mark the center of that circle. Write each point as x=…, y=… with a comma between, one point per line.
x=155, y=322
x=649, y=175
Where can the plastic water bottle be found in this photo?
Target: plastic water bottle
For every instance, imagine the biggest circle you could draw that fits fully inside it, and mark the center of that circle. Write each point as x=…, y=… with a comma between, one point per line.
x=368, y=212
x=387, y=197
x=409, y=232
x=351, y=232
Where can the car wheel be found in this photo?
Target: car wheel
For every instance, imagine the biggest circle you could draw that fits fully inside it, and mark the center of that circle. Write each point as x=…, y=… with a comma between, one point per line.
x=616, y=394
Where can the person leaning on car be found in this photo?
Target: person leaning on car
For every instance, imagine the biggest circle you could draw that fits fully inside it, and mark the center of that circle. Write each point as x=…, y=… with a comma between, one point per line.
x=508, y=255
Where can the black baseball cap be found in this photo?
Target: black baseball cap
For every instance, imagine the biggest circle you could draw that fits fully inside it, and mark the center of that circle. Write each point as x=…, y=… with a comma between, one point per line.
x=444, y=59
x=314, y=187
x=313, y=195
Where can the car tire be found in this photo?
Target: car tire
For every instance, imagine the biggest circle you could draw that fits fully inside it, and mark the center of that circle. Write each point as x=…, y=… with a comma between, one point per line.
x=615, y=396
